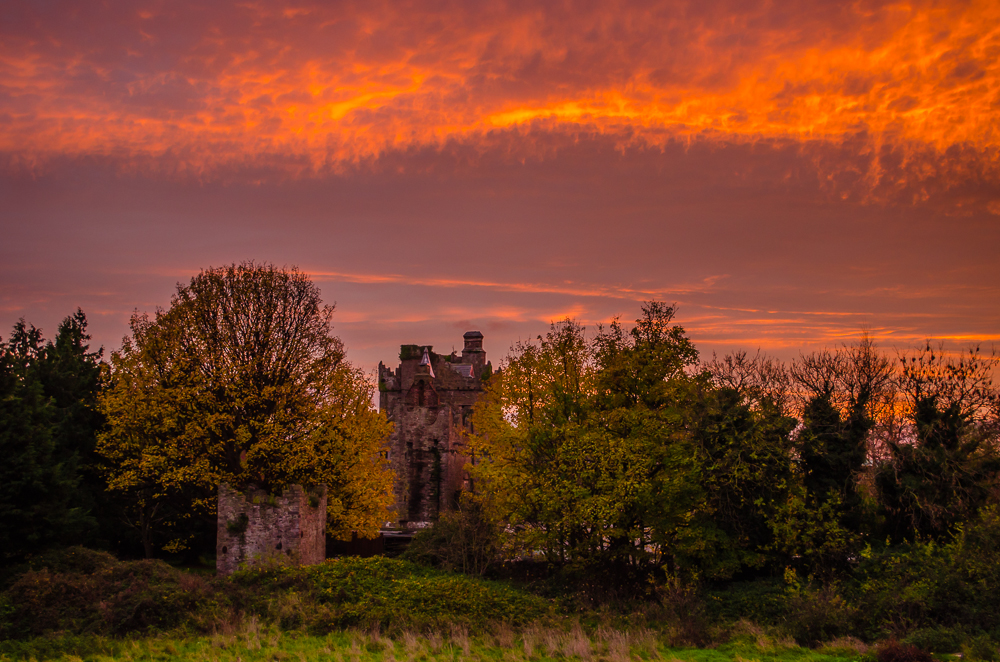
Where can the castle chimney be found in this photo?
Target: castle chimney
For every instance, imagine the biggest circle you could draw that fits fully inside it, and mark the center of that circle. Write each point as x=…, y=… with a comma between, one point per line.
x=473, y=340
x=474, y=352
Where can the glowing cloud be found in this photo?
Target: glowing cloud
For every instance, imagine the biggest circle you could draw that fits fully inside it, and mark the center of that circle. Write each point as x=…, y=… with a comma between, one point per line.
x=319, y=86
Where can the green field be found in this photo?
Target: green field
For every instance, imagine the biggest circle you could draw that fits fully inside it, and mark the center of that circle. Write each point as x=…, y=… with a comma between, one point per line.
x=252, y=640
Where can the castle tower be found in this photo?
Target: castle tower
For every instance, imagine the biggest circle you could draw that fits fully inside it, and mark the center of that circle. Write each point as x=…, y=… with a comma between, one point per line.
x=429, y=398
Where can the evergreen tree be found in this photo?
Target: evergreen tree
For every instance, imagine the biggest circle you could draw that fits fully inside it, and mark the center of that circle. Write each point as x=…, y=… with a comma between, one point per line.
x=743, y=449
x=40, y=496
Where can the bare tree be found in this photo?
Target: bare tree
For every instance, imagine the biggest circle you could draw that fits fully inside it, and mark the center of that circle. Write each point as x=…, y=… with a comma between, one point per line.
x=758, y=378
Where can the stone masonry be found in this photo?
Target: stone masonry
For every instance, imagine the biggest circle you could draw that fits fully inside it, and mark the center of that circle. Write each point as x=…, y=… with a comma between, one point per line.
x=257, y=526
x=429, y=398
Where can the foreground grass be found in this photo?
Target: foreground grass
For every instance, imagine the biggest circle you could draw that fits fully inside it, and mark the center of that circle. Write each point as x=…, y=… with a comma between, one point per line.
x=253, y=641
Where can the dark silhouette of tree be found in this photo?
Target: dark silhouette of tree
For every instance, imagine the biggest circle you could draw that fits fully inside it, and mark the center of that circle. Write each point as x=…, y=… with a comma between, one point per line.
x=47, y=426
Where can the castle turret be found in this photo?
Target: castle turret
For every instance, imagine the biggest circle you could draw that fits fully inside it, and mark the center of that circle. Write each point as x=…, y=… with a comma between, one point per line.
x=474, y=353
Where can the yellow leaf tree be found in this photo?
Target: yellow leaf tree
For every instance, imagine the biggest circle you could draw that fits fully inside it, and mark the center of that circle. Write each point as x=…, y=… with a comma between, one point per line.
x=241, y=381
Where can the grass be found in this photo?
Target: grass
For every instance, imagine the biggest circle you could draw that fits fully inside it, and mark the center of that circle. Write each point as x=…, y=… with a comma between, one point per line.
x=252, y=640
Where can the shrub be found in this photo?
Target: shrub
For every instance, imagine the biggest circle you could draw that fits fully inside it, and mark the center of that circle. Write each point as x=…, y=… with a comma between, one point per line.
x=100, y=598
x=815, y=616
x=69, y=559
x=893, y=651
x=980, y=647
x=932, y=585
x=398, y=594
x=464, y=540
x=761, y=601
x=684, y=611
x=935, y=640
x=388, y=593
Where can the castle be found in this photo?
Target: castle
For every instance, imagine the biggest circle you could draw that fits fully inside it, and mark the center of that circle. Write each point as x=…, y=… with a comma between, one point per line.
x=429, y=398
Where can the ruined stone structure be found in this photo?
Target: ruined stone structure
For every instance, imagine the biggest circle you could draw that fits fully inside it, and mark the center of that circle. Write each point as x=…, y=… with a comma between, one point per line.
x=257, y=526
x=429, y=397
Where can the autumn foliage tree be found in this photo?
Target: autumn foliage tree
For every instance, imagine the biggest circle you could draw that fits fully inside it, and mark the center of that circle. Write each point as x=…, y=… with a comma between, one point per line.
x=240, y=381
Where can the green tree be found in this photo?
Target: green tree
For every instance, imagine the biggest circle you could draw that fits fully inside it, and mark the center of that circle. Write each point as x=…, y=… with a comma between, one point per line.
x=743, y=448
x=525, y=423
x=583, y=448
x=70, y=374
x=240, y=381
x=40, y=495
x=644, y=400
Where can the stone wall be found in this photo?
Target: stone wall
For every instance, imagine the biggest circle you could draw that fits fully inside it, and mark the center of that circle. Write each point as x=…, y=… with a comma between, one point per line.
x=257, y=526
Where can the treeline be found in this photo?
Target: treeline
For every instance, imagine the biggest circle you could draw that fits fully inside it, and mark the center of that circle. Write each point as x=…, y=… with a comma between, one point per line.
x=623, y=460
x=620, y=459
x=241, y=380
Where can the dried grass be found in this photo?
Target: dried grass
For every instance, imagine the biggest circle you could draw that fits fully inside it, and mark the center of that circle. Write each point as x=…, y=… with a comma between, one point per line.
x=505, y=636
x=845, y=644
x=529, y=639
x=250, y=632
x=577, y=643
x=435, y=641
x=617, y=643
x=460, y=638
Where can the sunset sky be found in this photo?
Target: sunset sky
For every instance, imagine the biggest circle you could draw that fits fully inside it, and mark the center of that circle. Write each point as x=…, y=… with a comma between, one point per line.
x=787, y=172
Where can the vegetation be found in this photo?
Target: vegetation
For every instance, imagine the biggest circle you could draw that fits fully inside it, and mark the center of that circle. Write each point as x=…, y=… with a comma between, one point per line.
x=84, y=603
x=254, y=641
x=623, y=461
x=631, y=499
x=240, y=381
x=49, y=477
x=90, y=593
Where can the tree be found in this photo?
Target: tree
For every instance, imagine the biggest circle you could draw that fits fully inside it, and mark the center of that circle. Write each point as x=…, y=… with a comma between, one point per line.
x=42, y=503
x=70, y=374
x=584, y=451
x=946, y=465
x=531, y=412
x=241, y=381
x=842, y=394
x=743, y=449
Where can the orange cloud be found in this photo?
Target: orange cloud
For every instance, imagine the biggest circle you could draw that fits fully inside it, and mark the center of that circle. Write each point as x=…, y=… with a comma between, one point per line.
x=317, y=87
x=568, y=288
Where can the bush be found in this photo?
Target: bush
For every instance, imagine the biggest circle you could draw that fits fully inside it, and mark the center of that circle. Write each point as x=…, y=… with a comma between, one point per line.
x=893, y=651
x=464, y=541
x=980, y=647
x=388, y=593
x=70, y=559
x=815, y=616
x=762, y=601
x=933, y=585
x=115, y=598
x=935, y=640
x=396, y=593
x=98, y=595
